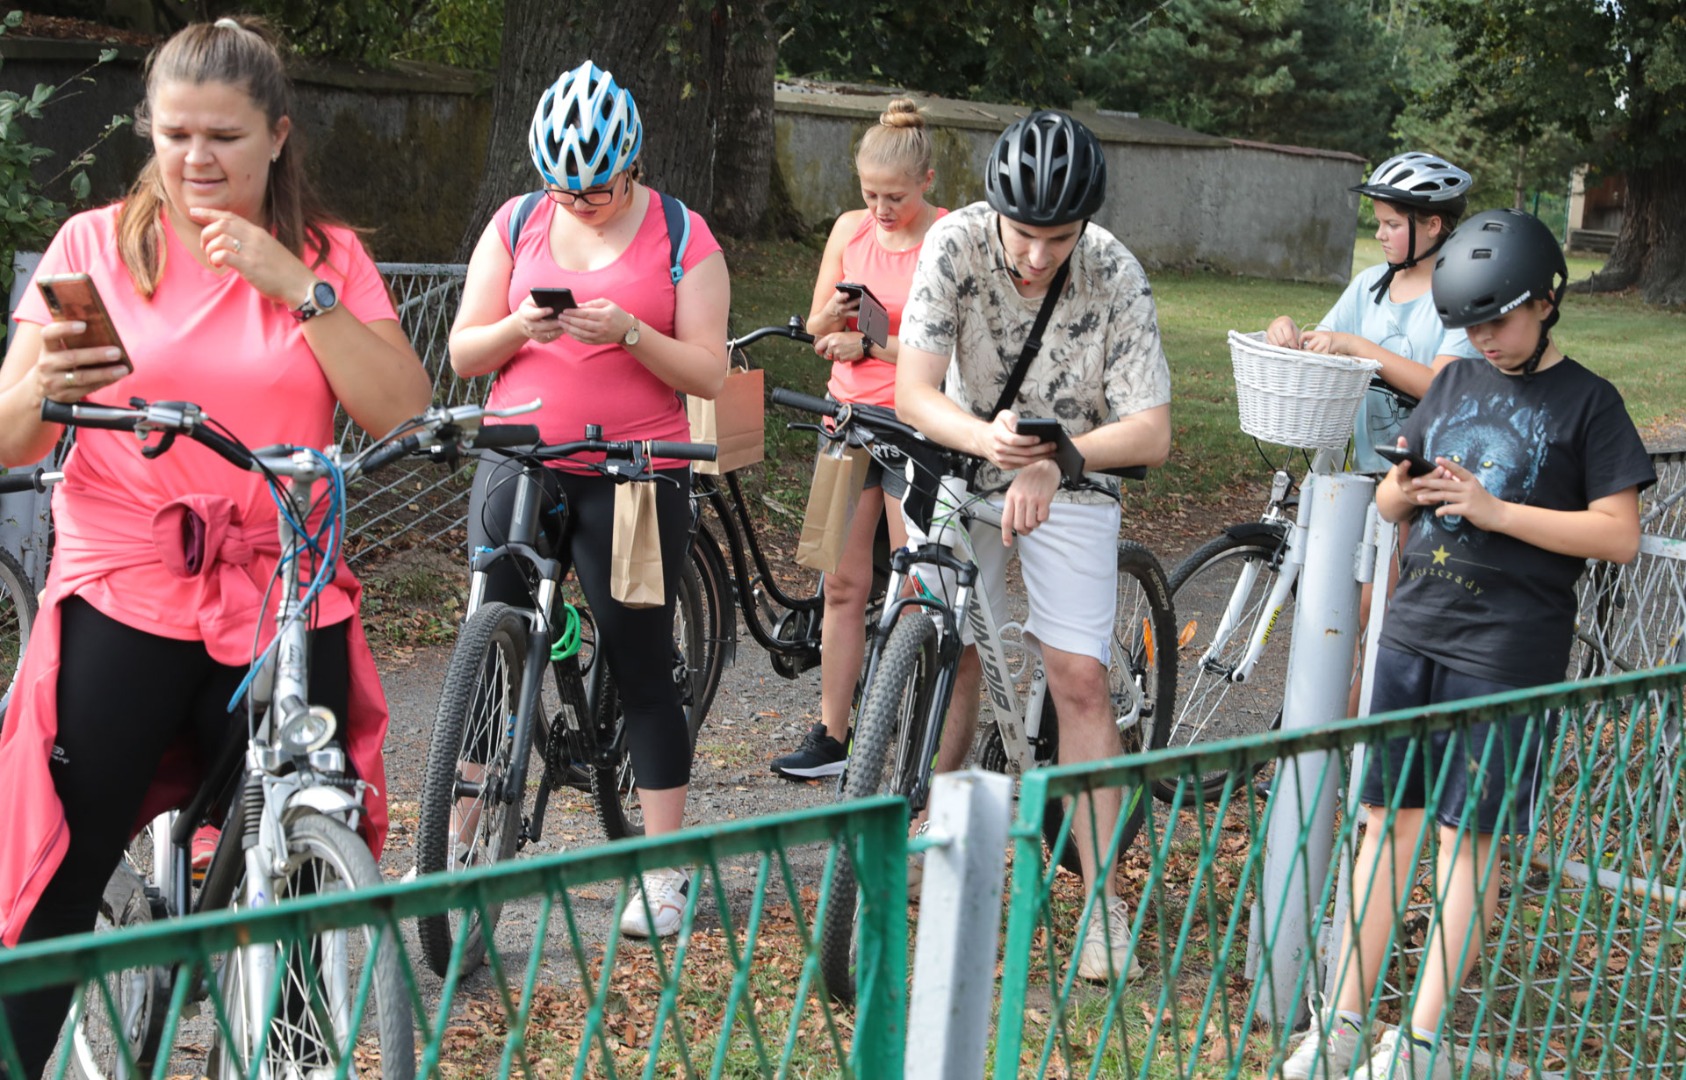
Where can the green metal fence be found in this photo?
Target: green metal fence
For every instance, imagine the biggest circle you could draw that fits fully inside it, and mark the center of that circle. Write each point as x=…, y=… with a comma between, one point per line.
x=737, y=993
x=1580, y=973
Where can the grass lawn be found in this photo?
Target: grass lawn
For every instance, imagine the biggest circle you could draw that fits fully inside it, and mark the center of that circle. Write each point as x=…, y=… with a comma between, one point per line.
x=1633, y=345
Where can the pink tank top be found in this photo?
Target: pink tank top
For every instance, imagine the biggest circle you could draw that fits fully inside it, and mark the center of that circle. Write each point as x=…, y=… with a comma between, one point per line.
x=889, y=274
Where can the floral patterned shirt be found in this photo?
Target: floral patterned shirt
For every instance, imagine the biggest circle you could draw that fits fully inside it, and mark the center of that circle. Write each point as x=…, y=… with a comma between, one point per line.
x=1101, y=357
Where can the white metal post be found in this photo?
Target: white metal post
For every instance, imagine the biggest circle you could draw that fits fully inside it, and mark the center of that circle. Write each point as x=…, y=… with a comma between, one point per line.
x=1333, y=509
x=959, y=925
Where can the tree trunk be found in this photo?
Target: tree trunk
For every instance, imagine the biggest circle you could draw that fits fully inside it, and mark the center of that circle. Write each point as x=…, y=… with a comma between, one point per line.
x=1650, y=250
x=743, y=155
x=669, y=53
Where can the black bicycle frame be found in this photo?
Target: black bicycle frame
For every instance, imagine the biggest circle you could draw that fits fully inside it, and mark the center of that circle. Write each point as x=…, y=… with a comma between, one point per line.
x=752, y=571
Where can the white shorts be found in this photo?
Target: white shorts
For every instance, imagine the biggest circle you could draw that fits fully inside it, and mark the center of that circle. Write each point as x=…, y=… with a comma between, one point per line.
x=1070, y=569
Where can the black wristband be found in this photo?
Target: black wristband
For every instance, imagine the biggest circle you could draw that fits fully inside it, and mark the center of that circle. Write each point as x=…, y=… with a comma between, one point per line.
x=866, y=347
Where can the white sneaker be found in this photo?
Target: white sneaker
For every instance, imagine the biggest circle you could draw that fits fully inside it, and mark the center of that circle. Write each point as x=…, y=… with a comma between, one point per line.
x=1110, y=925
x=666, y=891
x=1326, y=1052
x=1398, y=1057
x=916, y=863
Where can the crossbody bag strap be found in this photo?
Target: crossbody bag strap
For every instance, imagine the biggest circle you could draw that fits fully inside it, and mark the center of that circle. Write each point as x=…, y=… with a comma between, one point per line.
x=1033, y=344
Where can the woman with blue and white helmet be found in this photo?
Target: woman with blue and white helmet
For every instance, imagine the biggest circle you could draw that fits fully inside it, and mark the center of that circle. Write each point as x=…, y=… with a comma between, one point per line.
x=1386, y=313
x=650, y=325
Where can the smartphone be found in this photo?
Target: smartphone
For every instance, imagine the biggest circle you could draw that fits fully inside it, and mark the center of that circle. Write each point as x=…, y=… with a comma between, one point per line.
x=1066, y=455
x=1416, y=464
x=73, y=298
x=871, y=318
x=557, y=300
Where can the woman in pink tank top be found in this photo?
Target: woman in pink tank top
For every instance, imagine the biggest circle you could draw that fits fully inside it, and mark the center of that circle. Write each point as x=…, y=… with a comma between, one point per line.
x=877, y=247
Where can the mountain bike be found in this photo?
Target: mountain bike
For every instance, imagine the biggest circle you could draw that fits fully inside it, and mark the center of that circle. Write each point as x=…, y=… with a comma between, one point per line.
x=491, y=722
x=292, y=807
x=915, y=654
x=1234, y=596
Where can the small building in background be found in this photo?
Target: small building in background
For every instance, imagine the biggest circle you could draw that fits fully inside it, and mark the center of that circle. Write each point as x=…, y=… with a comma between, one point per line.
x=1597, y=202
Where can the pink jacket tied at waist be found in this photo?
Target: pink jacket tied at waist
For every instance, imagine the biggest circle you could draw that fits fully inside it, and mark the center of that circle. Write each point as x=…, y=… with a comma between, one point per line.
x=195, y=537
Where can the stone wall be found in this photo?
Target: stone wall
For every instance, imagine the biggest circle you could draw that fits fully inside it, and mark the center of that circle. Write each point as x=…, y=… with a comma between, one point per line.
x=400, y=152
x=1176, y=197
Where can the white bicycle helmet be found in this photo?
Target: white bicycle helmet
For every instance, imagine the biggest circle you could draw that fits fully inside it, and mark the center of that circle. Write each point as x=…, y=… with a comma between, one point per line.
x=585, y=130
x=1420, y=181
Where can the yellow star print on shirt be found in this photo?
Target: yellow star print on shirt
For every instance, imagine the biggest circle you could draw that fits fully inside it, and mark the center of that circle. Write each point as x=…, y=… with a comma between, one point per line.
x=1440, y=553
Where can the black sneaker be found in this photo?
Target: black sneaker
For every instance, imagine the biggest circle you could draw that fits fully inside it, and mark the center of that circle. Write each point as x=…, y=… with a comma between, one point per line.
x=819, y=755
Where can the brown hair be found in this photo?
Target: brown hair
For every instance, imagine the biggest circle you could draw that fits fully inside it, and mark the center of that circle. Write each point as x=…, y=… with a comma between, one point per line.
x=246, y=52
x=898, y=141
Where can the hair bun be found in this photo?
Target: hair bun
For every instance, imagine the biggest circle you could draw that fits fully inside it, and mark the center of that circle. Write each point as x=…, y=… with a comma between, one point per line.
x=902, y=113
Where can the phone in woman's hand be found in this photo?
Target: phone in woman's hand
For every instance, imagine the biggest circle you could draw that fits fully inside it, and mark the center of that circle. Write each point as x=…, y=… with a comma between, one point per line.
x=557, y=300
x=74, y=298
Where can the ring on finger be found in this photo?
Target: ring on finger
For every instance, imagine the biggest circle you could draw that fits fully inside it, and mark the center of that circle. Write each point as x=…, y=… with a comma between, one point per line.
x=70, y=377
x=236, y=242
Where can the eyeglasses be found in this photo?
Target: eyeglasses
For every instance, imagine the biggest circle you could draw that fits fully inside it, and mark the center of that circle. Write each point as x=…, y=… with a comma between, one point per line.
x=600, y=197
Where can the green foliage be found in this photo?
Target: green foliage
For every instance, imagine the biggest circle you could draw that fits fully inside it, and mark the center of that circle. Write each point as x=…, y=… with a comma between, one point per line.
x=1607, y=76
x=462, y=33
x=995, y=50
x=1308, y=72
x=29, y=213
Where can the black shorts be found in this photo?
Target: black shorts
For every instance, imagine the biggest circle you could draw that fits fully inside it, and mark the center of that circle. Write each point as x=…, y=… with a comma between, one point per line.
x=886, y=469
x=1492, y=770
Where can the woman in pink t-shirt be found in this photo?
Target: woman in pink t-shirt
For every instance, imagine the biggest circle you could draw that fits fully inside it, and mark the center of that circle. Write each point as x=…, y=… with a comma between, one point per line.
x=621, y=359
x=877, y=247
x=232, y=288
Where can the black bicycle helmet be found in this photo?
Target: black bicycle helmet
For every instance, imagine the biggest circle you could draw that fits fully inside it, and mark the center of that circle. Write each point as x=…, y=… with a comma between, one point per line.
x=1046, y=169
x=1421, y=182
x=1493, y=262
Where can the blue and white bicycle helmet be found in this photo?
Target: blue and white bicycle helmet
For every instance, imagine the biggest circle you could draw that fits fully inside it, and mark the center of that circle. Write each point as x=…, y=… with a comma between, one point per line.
x=585, y=130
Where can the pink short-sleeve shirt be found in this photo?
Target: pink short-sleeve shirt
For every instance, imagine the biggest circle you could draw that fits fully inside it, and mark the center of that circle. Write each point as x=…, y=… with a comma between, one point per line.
x=212, y=339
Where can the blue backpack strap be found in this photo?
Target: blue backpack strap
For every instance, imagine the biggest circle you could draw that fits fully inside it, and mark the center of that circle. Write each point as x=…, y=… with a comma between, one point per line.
x=518, y=219
x=678, y=233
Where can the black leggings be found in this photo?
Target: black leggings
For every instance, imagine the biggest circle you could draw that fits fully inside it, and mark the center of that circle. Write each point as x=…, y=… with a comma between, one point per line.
x=126, y=696
x=636, y=641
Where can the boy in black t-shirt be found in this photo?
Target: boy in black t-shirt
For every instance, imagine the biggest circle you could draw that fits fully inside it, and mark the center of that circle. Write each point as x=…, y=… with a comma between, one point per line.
x=1538, y=468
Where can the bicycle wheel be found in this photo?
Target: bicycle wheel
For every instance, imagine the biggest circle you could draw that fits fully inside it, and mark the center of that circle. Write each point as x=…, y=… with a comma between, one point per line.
x=714, y=612
x=883, y=757
x=614, y=787
x=468, y=764
x=1141, y=685
x=1221, y=592
x=17, y=617
x=310, y=1032
x=100, y=1050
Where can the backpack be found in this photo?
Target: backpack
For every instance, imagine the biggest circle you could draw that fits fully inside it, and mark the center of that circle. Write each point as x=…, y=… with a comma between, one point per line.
x=678, y=227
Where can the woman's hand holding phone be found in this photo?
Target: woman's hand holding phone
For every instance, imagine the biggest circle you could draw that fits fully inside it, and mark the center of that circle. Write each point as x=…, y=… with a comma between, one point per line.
x=66, y=373
x=535, y=324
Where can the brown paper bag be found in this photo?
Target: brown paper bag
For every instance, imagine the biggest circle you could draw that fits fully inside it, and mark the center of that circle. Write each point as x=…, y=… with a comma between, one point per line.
x=635, y=555
x=735, y=421
x=839, y=476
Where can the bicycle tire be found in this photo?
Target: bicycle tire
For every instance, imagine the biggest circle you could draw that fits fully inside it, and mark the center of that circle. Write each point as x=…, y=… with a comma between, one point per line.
x=1209, y=705
x=140, y=995
x=477, y=705
x=614, y=785
x=17, y=619
x=894, y=711
x=323, y=856
x=716, y=609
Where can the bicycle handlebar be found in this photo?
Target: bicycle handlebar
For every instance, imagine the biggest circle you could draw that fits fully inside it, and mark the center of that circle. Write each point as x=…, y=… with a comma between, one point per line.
x=34, y=480
x=794, y=330
x=881, y=419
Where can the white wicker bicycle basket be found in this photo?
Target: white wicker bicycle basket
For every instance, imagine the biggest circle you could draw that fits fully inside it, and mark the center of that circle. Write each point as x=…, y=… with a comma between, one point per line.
x=1295, y=398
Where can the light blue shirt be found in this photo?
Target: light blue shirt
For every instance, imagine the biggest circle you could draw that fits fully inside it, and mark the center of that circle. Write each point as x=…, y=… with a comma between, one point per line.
x=1413, y=330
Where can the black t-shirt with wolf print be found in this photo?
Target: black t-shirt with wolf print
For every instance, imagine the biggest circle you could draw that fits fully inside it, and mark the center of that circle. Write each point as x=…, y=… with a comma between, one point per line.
x=1485, y=603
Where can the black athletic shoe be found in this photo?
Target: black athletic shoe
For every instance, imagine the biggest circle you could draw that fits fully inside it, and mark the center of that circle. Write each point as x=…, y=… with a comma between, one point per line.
x=819, y=755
